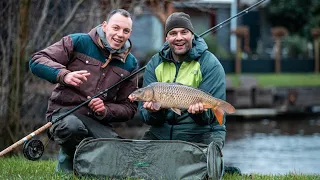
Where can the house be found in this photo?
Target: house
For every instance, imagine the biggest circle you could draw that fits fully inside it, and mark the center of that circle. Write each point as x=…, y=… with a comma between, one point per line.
x=147, y=33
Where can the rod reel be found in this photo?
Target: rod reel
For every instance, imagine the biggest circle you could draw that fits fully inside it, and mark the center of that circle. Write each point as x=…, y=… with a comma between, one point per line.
x=33, y=149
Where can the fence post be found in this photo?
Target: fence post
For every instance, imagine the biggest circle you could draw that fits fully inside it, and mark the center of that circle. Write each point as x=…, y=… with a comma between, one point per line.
x=240, y=32
x=277, y=34
x=316, y=34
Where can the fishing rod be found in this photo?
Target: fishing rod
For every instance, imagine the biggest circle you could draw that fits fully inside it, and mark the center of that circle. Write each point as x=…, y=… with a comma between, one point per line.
x=33, y=149
x=243, y=12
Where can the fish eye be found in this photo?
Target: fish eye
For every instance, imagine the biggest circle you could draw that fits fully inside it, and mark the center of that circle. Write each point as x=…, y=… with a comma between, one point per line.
x=139, y=91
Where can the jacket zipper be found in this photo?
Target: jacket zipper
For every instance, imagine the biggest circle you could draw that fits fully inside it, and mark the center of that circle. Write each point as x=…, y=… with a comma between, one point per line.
x=177, y=65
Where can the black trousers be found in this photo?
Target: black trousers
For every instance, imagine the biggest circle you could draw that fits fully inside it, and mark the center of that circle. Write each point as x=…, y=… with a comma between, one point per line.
x=72, y=129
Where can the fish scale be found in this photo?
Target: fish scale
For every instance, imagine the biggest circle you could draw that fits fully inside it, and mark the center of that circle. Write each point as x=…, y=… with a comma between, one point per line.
x=177, y=95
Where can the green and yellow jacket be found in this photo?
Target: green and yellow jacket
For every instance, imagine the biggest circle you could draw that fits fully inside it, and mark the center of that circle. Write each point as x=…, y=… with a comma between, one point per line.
x=201, y=69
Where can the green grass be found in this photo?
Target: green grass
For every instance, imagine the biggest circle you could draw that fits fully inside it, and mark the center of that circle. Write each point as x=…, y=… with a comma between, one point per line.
x=20, y=168
x=281, y=79
x=290, y=176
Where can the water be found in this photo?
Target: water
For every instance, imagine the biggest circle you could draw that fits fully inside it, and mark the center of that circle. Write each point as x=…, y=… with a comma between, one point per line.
x=274, y=146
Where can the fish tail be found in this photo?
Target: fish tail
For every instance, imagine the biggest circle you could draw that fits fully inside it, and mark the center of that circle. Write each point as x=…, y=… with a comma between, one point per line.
x=219, y=109
x=228, y=108
x=218, y=112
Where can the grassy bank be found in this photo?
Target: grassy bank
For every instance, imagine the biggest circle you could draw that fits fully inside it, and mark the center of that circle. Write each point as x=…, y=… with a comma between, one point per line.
x=20, y=168
x=281, y=79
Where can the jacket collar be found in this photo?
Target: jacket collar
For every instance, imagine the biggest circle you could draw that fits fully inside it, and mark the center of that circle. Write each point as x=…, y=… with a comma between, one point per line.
x=120, y=54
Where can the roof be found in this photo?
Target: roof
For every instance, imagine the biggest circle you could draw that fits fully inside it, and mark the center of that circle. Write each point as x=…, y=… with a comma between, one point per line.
x=203, y=4
x=214, y=3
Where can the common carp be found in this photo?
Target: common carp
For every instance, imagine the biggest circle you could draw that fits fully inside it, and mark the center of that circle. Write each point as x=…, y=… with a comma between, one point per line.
x=177, y=96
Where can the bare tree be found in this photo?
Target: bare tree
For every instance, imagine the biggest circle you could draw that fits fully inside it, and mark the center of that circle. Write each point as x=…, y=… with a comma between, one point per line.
x=15, y=46
x=40, y=23
x=17, y=72
x=66, y=22
x=161, y=9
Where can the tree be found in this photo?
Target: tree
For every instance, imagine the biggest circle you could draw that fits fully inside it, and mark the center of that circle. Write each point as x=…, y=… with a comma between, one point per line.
x=296, y=15
x=19, y=19
x=161, y=9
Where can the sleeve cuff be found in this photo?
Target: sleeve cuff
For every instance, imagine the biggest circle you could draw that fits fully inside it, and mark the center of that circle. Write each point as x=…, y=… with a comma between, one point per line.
x=61, y=76
x=100, y=116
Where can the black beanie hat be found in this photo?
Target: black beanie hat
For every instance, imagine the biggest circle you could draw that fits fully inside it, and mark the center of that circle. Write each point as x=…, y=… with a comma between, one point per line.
x=178, y=20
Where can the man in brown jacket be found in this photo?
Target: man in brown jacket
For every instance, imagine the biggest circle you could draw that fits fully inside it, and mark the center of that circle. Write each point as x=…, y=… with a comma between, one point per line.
x=83, y=65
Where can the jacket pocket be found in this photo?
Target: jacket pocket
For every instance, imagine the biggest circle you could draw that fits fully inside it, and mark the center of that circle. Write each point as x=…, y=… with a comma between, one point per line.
x=88, y=60
x=84, y=62
x=121, y=73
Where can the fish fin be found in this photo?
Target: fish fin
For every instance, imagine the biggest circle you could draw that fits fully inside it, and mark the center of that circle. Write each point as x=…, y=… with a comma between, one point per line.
x=226, y=107
x=223, y=105
x=177, y=83
x=174, y=83
x=176, y=110
x=218, y=112
x=206, y=106
x=156, y=105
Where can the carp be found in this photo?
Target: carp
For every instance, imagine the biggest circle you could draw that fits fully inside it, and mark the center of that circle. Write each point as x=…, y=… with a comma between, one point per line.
x=176, y=96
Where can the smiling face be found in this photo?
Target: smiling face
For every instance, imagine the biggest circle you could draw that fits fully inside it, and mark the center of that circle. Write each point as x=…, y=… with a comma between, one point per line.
x=118, y=30
x=180, y=40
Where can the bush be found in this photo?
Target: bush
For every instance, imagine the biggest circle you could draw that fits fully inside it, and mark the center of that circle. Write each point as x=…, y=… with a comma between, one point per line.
x=295, y=46
x=218, y=51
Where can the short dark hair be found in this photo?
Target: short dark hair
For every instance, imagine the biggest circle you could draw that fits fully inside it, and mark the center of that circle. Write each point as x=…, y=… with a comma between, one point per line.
x=123, y=12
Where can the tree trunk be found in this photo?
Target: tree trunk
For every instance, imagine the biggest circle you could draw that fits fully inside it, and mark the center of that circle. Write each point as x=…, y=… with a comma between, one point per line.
x=277, y=62
x=238, y=56
x=17, y=75
x=316, y=56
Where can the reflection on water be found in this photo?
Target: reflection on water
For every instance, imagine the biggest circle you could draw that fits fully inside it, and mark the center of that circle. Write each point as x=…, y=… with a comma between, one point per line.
x=272, y=146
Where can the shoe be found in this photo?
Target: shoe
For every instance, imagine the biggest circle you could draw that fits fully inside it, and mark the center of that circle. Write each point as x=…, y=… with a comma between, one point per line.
x=232, y=170
x=65, y=162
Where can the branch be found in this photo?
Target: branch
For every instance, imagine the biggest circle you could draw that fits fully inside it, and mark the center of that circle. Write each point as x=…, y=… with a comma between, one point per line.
x=66, y=22
x=161, y=12
x=92, y=14
x=44, y=14
x=194, y=4
x=3, y=9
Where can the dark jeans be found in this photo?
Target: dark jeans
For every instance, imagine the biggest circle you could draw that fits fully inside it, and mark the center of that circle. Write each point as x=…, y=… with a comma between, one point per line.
x=71, y=130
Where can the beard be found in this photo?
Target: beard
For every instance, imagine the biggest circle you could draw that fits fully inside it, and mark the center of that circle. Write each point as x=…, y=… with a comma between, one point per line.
x=179, y=51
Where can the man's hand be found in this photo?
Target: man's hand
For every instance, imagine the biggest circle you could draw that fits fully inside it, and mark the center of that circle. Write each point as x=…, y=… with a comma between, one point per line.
x=97, y=106
x=196, y=108
x=76, y=78
x=151, y=106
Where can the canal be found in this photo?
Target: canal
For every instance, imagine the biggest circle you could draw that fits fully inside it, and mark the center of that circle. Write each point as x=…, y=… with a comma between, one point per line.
x=274, y=146
x=266, y=146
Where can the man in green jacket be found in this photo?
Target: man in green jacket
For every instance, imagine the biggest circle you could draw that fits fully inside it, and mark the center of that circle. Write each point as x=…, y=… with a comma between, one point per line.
x=184, y=59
